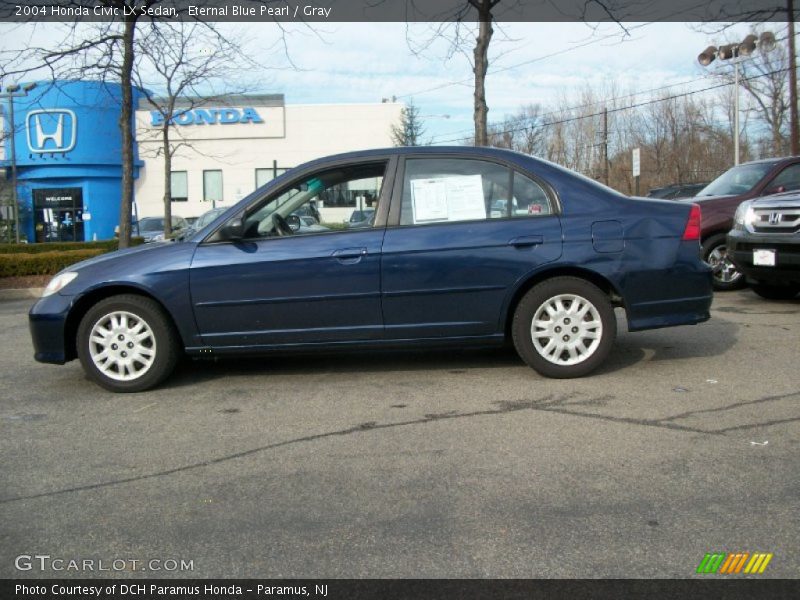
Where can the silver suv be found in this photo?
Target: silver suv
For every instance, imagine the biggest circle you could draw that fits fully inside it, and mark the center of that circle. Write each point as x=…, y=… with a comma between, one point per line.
x=765, y=244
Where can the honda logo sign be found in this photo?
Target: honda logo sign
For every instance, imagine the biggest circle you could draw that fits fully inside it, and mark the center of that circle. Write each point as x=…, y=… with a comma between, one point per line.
x=53, y=130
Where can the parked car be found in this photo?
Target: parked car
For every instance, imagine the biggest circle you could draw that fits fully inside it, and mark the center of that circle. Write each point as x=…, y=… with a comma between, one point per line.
x=152, y=228
x=764, y=244
x=361, y=218
x=720, y=199
x=205, y=219
x=307, y=224
x=435, y=268
x=676, y=191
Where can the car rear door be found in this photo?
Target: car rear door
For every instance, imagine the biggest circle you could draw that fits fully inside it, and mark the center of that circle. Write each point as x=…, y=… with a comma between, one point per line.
x=463, y=232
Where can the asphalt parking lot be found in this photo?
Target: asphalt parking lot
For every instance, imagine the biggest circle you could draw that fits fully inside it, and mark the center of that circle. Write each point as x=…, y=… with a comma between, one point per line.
x=443, y=464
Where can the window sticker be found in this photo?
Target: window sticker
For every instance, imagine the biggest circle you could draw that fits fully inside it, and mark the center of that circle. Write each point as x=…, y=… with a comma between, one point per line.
x=458, y=198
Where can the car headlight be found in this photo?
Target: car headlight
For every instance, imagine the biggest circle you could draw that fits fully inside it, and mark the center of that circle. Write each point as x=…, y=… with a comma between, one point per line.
x=745, y=215
x=58, y=283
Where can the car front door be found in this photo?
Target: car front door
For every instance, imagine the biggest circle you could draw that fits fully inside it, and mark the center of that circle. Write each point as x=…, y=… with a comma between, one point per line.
x=318, y=284
x=464, y=234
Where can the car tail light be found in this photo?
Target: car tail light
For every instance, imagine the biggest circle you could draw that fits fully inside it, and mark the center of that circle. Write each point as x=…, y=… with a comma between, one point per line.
x=692, y=230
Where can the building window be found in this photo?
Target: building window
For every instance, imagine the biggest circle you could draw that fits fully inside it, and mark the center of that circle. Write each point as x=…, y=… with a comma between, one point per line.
x=212, y=186
x=179, y=186
x=264, y=176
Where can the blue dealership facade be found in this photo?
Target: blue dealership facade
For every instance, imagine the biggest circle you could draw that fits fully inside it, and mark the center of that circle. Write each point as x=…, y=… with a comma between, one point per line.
x=68, y=153
x=68, y=159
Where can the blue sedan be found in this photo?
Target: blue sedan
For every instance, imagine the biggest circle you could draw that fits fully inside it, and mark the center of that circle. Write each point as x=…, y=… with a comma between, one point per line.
x=468, y=246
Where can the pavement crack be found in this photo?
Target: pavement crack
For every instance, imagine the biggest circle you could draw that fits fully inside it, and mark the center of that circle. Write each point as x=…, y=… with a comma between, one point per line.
x=733, y=406
x=559, y=404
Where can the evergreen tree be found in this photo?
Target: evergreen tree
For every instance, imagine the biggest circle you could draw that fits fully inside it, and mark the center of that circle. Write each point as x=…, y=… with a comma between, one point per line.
x=410, y=130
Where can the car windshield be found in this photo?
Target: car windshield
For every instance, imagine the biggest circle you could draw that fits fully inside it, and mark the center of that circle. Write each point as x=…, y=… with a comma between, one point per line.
x=738, y=180
x=153, y=224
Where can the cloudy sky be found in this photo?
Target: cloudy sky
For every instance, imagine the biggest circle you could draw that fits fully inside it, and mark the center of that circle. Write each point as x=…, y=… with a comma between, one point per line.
x=529, y=63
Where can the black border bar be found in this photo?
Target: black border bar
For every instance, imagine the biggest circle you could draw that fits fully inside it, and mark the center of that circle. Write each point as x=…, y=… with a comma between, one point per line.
x=371, y=11
x=398, y=589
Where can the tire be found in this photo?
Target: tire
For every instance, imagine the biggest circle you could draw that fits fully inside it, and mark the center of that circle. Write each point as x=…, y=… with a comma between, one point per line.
x=589, y=345
x=725, y=275
x=776, y=292
x=144, y=353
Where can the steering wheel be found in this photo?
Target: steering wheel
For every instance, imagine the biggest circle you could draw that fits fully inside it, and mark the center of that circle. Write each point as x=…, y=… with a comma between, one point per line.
x=281, y=226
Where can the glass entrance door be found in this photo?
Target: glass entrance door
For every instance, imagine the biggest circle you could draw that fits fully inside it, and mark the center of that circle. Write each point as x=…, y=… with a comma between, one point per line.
x=58, y=214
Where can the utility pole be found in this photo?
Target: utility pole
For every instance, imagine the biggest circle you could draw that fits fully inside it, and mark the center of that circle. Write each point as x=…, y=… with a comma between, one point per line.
x=605, y=145
x=13, y=91
x=795, y=136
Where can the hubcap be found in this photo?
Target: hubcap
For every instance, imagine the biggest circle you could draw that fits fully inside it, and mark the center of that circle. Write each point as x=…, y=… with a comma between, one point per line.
x=723, y=269
x=122, y=346
x=574, y=315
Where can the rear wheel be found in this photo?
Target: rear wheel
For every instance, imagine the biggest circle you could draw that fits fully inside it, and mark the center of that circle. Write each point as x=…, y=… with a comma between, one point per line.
x=564, y=327
x=725, y=275
x=776, y=292
x=127, y=344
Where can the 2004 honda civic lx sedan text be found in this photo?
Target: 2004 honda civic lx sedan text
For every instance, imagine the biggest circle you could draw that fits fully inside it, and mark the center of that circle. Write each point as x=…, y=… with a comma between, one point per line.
x=468, y=245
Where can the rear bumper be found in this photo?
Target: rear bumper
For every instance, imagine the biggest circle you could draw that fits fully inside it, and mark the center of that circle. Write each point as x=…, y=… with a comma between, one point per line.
x=680, y=295
x=786, y=271
x=47, y=321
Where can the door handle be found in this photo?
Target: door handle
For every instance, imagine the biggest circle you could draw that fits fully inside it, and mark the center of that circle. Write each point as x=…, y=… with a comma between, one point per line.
x=524, y=241
x=349, y=255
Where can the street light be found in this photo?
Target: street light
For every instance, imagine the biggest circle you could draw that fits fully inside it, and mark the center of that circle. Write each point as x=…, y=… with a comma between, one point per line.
x=13, y=91
x=736, y=52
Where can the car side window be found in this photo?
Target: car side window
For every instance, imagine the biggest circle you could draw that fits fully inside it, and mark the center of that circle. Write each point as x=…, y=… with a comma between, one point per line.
x=529, y=197
x=319, y=203
x=450, y=190
x=788, y=179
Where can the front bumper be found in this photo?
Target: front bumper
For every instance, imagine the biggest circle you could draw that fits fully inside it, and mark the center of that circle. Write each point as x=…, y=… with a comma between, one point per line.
x=786, y=271
x=47, y=320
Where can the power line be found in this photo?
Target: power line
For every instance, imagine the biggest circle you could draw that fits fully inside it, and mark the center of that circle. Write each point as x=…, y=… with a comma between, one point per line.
x=605, y=100
x=622, y=108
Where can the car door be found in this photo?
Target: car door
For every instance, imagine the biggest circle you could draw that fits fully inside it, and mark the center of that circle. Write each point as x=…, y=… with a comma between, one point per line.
x=462, y=234
x=320, y=284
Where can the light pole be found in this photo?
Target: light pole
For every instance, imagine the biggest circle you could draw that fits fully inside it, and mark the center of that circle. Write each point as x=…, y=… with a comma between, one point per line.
x=736, y=52
x=13, y=91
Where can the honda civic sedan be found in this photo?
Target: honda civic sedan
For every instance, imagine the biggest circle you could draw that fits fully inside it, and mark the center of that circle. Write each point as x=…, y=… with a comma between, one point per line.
x=442, y=263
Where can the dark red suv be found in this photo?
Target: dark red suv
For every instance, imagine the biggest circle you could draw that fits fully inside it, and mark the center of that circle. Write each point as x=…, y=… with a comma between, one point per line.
x=720, y=198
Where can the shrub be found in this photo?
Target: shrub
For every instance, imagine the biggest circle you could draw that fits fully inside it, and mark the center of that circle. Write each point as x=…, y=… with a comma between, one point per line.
x=43, y=263
x=103, y=246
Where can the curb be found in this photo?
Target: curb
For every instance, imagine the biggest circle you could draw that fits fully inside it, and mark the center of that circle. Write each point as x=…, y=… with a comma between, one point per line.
x=20, y=294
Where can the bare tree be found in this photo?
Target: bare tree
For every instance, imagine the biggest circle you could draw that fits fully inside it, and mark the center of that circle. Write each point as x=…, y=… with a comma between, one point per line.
x=99, y=51
x=460, y=36
x=190, y=62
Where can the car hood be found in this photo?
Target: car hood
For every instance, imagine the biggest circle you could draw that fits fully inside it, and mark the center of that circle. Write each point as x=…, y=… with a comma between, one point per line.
x=777, y=201
x=116, y=255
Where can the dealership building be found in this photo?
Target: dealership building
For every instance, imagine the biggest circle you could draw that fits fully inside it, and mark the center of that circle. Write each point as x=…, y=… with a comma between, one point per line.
x=67, y=152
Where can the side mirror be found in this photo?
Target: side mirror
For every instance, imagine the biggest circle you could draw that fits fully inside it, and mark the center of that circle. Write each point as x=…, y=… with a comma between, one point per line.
x=233, y=229
x=294, y=222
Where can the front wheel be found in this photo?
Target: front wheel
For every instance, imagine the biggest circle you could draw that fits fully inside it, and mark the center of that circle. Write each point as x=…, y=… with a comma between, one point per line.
x=724, y=274
x=776, y=292
x=564, y=327
x=127, y=344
